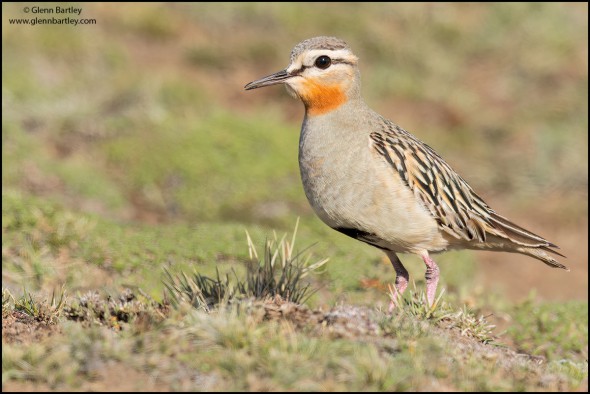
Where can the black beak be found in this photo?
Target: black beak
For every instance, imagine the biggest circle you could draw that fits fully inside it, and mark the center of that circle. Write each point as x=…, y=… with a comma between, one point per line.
x=272, y=79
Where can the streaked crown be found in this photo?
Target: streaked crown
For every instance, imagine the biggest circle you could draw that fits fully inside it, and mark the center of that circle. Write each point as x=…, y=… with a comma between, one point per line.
x=323, y=42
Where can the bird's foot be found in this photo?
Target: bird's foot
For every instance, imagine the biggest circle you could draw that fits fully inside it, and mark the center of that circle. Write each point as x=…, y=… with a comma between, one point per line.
x=395, y=297
x=432, y=275
x=395, y=293
x=401, y=281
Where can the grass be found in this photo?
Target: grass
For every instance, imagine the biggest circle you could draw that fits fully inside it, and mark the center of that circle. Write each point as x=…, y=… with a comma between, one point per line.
x=279, y=273
x=270, y=345
x=132, y=158
x=552, y=330
x=443, y=314
x=47, y=311
x=253, y=338
x=40, y=310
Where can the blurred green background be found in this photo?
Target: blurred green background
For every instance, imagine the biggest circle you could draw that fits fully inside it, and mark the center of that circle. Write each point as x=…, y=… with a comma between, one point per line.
x=130, y=144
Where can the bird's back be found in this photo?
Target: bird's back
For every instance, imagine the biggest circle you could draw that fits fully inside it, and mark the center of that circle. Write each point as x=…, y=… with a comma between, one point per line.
x=466, y=220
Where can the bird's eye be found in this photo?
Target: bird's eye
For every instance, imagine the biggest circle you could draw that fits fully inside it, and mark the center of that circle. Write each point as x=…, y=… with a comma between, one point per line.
x=323, y=62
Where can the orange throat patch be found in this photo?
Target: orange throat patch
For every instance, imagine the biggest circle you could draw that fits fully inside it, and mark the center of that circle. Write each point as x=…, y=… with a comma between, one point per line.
x=320, y=99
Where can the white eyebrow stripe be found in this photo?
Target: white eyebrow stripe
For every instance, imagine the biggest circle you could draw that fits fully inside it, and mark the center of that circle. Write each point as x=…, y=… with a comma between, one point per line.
x=343, y=54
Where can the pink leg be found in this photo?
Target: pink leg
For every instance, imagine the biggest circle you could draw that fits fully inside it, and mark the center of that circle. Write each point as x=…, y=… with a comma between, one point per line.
x=432, y=274
x=401, y=279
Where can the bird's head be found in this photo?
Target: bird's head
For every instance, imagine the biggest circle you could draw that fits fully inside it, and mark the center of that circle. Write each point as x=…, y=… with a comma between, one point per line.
x=323, y=73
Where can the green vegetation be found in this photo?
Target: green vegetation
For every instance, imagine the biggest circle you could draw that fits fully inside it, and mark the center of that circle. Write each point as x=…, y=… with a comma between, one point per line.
x=280, y=273
x=271, y=344
x=552, y=330
x=134, y=166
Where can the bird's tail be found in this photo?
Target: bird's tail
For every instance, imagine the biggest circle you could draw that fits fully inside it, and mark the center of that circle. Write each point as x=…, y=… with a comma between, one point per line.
x=527, y=242
x=541, y=254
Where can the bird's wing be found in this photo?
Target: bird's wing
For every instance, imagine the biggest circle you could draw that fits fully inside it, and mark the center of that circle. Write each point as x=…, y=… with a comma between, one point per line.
x=458, y=210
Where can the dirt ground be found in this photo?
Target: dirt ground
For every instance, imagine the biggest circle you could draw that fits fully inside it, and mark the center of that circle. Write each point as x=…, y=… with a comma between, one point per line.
x=22, y=328
x=344, y=321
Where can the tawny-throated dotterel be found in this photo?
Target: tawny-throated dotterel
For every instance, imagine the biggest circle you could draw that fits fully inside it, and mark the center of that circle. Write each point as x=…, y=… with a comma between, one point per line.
x=370, y=179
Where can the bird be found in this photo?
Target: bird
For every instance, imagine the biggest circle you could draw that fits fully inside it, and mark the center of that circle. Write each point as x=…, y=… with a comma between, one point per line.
x=371, y=180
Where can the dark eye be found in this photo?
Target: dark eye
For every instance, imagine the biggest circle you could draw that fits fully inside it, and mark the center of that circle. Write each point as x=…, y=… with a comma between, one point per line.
x=323, y=62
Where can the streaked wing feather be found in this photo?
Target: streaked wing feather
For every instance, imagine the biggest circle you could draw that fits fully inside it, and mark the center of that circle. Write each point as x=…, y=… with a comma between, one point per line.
x=458, y=210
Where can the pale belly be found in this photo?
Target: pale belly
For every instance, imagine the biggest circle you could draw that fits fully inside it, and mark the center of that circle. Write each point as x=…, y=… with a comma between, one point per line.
x=360, y=191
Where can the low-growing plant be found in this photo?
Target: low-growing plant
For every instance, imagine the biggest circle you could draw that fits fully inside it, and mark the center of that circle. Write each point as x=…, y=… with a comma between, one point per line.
x=471, y=325
x=280, y=272
x=114, y=310
x=200, y=291
x=442, y=313
x=43, y=311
